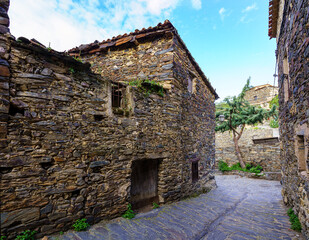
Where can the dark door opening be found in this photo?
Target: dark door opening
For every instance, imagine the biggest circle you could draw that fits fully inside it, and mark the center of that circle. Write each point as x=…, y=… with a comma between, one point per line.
x=144, y=183
x=194, y=171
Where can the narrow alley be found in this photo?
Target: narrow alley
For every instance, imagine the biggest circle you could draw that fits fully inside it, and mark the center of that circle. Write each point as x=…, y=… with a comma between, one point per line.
x=240, y=208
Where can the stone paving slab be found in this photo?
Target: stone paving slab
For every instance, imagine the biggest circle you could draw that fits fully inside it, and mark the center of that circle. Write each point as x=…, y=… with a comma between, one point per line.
x=240, y=208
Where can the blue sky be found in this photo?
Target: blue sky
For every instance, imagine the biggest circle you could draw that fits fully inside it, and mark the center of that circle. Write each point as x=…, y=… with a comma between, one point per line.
x=227, y=38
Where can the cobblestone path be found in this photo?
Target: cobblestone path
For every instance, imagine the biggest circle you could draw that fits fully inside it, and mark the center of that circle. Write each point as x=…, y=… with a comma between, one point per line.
x=240, y=208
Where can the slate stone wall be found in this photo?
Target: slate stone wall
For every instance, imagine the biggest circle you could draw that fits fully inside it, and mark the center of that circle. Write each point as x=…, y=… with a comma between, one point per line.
x=68, y=155
x=4, y=71
x=185, y=122
x=261, y=95
x=264, y=154
x=293, y=49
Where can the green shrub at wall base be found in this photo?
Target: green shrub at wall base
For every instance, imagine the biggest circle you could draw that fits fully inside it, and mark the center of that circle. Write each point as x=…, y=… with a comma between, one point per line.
x=155, y=205
x=80, y=225
x=129, y=214
x=223, y=167
x=295, y=223
x=26, y=235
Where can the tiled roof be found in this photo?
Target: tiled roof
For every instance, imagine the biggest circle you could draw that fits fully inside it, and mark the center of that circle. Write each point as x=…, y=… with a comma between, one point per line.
x=273, y=18
x=262, y=86
x=124, y=40
x=132, y=37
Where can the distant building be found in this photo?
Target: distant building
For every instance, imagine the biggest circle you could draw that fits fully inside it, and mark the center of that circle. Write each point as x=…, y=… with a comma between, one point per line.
x=289, y=24
x=261, y=95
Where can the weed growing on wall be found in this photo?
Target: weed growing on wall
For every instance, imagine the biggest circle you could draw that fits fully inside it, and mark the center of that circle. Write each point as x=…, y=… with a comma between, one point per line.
x=295, y=224
x=155, y=205
x=26, y=235
x=80, y=225
x=274, y=123
x=3, y=237
x=148, y=86
x=71, y=70
x=129, y=214
x=78, y=59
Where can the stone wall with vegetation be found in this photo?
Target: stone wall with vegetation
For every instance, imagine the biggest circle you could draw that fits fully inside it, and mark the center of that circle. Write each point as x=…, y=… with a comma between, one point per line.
x=293, y=76
x=265, y=154
x=67, y=154
x=190, y=114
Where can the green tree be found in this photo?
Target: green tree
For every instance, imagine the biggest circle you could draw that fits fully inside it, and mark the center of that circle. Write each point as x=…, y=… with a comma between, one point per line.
x=237, y=114
x=274, y=122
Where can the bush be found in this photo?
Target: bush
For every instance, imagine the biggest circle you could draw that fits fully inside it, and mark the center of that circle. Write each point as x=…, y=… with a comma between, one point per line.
x=2, y=237
x=295, y=224
x=26, y=235
x=80, y=225
x=223, y=166
x=237, y=166
x=129, y=214
x=249, y=167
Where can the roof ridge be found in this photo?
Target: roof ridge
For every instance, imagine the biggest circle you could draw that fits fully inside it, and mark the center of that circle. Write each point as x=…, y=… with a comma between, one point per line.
x=160, y=26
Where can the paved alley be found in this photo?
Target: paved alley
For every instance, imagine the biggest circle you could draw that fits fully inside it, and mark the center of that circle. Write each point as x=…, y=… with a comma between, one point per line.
x=240, y=208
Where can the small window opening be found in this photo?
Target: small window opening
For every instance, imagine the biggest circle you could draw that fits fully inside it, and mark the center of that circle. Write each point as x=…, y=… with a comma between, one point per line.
x=286, y=80
x=300, y=152
x=47, y=165
x=117, y=95
x=255, y=98
x=4, y=170
x=98, y=118
x=190, y=85
x=14, y=224
x=76, y=193
x=194, y=171
x=13, y=110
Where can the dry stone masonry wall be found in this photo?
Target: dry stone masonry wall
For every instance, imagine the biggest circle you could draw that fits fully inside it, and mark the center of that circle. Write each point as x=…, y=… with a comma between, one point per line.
x=293, y=62
x=265, y=154
x=66, y=153
x=261, y=95
x=4, y=71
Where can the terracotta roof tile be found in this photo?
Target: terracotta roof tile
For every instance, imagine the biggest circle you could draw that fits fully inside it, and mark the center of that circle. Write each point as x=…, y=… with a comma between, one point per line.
x=273, y=18
x=159, y=30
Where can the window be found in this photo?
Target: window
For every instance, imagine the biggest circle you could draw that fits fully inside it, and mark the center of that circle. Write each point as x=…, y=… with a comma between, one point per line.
x=122, y=100
x=117, y=95
x=300, y=152
x=255, y=98
x=190, y=85
x=286, y=80
x=192, y=80
x=194, y=171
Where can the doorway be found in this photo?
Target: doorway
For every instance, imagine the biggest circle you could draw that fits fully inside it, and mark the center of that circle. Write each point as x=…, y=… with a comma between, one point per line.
x=144, y=182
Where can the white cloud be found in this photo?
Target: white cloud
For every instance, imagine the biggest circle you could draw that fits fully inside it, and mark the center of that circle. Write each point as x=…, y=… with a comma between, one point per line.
x=244, y=17
x=156, y=6
x=222, y=13
x=250, y=8
x=197, y=4
x=68, y=23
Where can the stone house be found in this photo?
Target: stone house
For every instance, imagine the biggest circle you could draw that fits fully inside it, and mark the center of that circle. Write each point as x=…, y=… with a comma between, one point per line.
x=289, y=24
x=79, y=140
x=261, y=95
